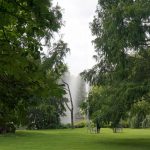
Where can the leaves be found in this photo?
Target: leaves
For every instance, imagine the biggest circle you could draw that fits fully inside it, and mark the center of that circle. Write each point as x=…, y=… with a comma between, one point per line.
x=24, y=26
x=121, y=30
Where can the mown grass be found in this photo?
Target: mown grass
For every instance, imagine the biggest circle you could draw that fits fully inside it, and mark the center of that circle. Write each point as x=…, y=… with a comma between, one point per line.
x=77, y=139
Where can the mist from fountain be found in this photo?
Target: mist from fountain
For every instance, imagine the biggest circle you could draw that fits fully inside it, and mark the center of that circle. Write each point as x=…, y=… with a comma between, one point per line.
x=78, y=91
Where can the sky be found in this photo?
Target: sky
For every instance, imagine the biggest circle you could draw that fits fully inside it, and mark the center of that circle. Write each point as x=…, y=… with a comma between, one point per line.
x=77, y=14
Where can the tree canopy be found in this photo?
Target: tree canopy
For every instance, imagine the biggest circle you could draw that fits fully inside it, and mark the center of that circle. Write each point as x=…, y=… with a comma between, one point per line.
x=122, y=44
x=26, y=28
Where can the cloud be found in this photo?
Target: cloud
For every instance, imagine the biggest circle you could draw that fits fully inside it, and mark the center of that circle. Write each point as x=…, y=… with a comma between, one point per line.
x=77, y=15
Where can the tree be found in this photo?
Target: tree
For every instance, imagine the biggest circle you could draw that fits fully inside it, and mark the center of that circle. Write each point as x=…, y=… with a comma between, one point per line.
x=121, y=29
x=25, y=27
x=138, y=114
x=46, y=114
x=97, y=106
x=71, y=108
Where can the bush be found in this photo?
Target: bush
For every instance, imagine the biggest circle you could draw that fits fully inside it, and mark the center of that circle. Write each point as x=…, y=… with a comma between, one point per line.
x=125, y=124
x=8, y=128
x=11, y=127
x=80, y=124
x=146, y=122
x=65, y=126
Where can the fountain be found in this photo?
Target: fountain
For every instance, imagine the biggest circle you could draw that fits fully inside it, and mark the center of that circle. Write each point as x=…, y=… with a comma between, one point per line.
x=78, y=92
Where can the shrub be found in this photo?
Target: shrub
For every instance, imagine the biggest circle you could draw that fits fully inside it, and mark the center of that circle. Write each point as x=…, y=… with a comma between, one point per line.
x=146, y=122
x=125, y=124
x=80, y=124
x=65, y=126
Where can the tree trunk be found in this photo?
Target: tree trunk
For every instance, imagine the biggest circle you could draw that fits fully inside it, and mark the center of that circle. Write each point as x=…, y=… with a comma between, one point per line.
x=71, y=101
x=114, y=130
x=72, y=122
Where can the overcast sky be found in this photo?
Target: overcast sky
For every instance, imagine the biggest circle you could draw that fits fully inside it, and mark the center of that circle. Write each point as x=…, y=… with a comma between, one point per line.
x=77, y=14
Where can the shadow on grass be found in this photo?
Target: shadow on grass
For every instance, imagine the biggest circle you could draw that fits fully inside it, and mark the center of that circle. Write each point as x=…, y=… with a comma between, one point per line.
x=139, y=143
x=23, y=133
x=48, y=132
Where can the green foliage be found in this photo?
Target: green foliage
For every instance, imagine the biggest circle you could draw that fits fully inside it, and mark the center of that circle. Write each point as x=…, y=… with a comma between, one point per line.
x=97, y=106
x=8, y=128
x=139, y=115
x=146, y=122
x=80, y=124
x=124, y=123
x=46, y=114
x=65, y=126
x=77, y=124
x=25, y=28
x=121, y=29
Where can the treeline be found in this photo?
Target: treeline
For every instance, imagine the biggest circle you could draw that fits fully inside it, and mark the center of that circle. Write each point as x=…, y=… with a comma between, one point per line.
x=29, y=90
x=121, y=78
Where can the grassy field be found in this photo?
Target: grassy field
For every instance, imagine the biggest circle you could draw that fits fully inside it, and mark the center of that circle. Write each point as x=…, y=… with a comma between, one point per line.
x=77, y=139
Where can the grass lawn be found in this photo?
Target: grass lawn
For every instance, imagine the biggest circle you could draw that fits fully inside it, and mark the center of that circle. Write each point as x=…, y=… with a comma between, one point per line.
x=77, y=139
